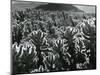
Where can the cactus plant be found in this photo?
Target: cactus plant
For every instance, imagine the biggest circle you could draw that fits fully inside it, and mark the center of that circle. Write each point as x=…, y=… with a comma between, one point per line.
x=38, y=39
x=24, y=60
x=90, y=36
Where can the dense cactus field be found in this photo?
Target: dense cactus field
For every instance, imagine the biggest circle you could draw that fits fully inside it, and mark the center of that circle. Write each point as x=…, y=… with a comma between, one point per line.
x=50, y=41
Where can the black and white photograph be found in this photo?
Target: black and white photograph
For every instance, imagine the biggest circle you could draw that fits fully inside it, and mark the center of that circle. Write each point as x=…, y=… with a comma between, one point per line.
x=52, y=37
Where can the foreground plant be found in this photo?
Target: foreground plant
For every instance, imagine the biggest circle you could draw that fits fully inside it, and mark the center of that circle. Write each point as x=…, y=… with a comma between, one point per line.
x=89, y=33
x=24, y=60
x=38, y=39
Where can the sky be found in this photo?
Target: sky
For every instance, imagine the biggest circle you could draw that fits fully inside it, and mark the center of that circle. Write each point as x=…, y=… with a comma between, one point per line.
x=22, y=4
x=87, y=9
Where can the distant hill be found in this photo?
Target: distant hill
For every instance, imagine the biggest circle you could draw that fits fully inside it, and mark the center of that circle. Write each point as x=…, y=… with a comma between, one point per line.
x=21, y=5
x=59, y=7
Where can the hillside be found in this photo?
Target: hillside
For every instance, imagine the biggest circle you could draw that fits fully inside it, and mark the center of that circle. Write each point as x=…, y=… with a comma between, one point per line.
x=59, y=7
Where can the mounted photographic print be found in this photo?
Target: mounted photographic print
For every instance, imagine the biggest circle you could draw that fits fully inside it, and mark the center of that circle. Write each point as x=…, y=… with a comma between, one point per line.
x=52, y=37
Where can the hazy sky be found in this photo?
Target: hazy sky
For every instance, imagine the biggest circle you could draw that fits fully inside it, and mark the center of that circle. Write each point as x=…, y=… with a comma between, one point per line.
x=87, y=9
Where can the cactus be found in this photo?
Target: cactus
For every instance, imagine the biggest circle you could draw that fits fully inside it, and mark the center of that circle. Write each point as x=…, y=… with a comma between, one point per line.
x=38, y=39
x=57, y=44
x=58, y=49
x=68, y=35
x=16, y=34
x=90, y=36
x=24, y=60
